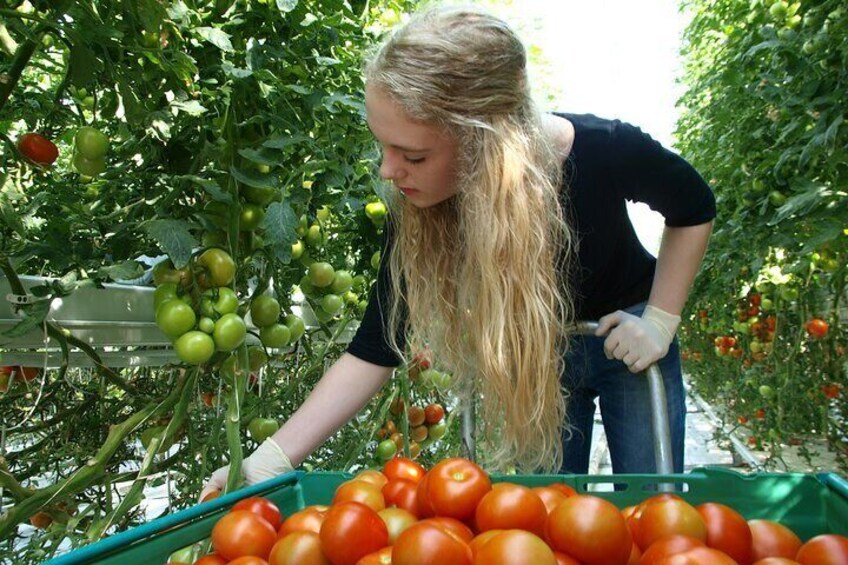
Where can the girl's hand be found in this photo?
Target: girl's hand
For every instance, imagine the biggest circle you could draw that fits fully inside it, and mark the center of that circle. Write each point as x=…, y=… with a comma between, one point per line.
x=638, y=342
x=268, y=461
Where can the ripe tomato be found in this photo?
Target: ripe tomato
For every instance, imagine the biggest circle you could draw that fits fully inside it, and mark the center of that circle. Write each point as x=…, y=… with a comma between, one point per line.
x=550, y=497
x=826, y=549
x=397, y=520
x=248, y=560
x=38, y=148
x=372, y=476
x=427, y=543
x=261, y=507
x=667, y=517
x=727, y=531
x=242, y=533
x=770, y=539
x=401, y=493
x=194, y=347
x=351, y=531
x=452, y=525
x=591, y=530
x=360, y=491
x=776, y=561
x=433, y=414
x=298, y=548
x=403, y=468
x=19, y=372
x=515, y=547
x=563, y=559
x=307, y=520
x=509, y=506
x=218, y=268
x=698, y=556
x=211, y=559
x=415, y=415
x=817, y=328
x=454, y=488
x=481, y=539
x=230, y=331
x=381, y=557
x=563, y=488
x=669, y=545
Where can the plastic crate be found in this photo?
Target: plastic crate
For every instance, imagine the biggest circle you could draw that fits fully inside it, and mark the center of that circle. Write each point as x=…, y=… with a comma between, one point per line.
x=809, y=504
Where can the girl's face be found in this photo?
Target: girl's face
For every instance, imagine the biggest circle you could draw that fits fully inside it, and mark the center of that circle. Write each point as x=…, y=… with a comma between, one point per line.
x=419, y=159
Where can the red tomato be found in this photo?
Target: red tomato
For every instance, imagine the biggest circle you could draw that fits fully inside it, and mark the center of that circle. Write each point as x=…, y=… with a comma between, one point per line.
x=403, y=468
x=433, y=413
x=360, y=491
x=211, y=559
x=352, y=530
x=776, y=561
x=422, y=500
x=381, y=557
x=563, y=488
x=38, y=148
x=509, y=506
x=428, y=543
x=455, y=486
x=20, y=373
x=248, y=560
x=372, y=476
x=298, y=548
x=453, y=526
x=591, y=530
x=635, y=554
x=563, y=559
x=698, y=556
x=397, y=520
x=515, y=547
x=481, y=539
x=550, y=497
x=727, y=531
x=242, y=533
x=826, y=549
x=403, y=494
x=817, y=328
x=770, y=539
x=307, y=520
x=666, y=546
x=261, y=507
x=668, y=517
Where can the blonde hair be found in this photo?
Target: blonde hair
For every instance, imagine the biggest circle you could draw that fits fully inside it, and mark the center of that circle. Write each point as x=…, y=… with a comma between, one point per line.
x=479, y=277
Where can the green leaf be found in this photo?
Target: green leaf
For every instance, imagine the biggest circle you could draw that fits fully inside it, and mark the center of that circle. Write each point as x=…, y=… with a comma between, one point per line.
x=259, y=156
x=216, y=37
x=286, y=6
x=33, y=318
x=191, y=107
x=282, y=142
x=211, y=187
x=83, y=65
x=235, y=72
x=279, y=224
x=173, y=238
x=814, y=195
x=256, y=180
x=124, y=270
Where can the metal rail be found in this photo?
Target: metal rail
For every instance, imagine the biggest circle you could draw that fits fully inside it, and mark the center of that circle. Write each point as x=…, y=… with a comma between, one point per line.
x=659, y=414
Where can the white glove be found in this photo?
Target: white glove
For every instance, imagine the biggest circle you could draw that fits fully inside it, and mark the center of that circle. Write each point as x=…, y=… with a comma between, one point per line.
x=268, y=461
x=638, y=342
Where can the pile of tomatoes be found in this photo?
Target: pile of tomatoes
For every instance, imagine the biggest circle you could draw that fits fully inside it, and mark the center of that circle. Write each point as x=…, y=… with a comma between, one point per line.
x=454, y=515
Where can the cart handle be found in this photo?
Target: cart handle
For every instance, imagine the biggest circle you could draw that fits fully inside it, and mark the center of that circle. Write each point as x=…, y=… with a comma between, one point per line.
x=659, y=413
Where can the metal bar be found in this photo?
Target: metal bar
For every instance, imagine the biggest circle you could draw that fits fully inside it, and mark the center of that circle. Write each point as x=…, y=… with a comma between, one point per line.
x=468, y=429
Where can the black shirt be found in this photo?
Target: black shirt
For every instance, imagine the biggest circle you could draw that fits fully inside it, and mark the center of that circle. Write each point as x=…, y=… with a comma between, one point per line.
x=610, y=162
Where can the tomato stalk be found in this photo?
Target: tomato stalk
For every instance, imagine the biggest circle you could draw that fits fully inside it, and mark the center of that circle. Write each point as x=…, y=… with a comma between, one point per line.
x=232, y=423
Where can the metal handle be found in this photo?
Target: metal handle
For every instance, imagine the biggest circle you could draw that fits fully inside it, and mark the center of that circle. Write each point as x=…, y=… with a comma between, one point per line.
x=659, y=413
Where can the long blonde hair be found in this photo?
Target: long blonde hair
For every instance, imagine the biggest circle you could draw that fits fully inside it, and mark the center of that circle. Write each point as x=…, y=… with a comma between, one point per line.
x=479, y=277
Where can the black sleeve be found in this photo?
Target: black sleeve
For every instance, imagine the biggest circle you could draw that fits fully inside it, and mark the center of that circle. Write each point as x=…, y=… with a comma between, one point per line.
x=650, y=173
x=370, y=342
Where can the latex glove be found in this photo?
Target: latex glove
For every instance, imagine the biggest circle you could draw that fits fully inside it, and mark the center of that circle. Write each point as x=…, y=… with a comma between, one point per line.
x=638, y=342
x=268, y=461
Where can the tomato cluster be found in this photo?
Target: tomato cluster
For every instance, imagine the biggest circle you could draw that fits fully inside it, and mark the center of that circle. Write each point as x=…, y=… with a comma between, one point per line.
x=454, y=514
x=426, y=425
x=90, y=148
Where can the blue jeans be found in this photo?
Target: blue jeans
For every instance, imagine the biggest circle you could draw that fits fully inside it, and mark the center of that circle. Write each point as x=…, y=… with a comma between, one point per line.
x=625, y=407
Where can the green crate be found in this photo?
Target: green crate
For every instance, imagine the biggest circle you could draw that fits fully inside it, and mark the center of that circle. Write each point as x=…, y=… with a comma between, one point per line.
x=809, y=504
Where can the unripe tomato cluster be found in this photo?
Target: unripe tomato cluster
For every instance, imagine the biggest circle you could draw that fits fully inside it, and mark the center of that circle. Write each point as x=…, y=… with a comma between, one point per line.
x=90, y=148
x=452, y=513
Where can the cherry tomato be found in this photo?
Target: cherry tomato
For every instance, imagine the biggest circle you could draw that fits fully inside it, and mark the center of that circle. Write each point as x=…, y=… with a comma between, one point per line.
x=298, y=548
x=433, y=414
x=590, y=529
x=38, y=148
x=351, y=531
x=727, y=531
x=770, y=539
x=261, y=507
x=242, y=533
x=509, y=506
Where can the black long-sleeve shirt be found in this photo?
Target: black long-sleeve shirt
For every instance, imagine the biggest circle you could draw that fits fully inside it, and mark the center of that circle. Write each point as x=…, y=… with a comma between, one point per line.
x=610, y=162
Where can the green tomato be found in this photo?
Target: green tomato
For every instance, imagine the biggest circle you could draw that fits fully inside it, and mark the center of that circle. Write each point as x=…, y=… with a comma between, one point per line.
x=261, y=429
x=442, y=381
x=91, y=143
x=264, y=310
x=777, y=198
x=314, y=236
x=175, y=317
x=164, y=272
x=323, y=214
x=251, y=217
x=331, y=304
x=386, y=449
x=258, y=195
x=218, y=301
x=342, y=282
x=256, y=357
x=766, y=304
x=351, y=298
x=789, y=293
x=275, y=336
x=359, y=282
x=214, y=238
x=306, y=286
x=230, y=331
x=206, y=325
x=297, y=249
x=376, y=212
x=89, y=167
x=302, y=226
x=321, y=274
x=163, y=292
x=194, y=347
x=322, y=315
x=375, y=260
x=296, y=327
x=766, y=391
x=437, y=431
x=219, y=268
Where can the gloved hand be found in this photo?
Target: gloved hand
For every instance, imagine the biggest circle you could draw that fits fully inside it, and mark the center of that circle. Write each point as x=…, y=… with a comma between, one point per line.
x=268, y=461
x=638, y=342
